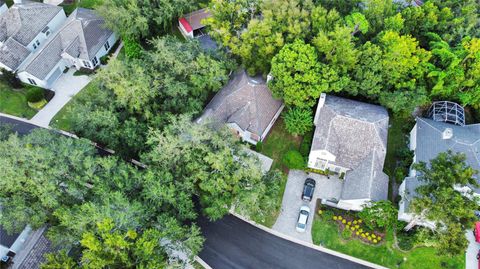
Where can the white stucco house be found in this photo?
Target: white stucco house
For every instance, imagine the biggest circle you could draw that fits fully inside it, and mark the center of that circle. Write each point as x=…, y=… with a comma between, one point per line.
x=38, y=41
x=3, y=7
x=443, y=129
x=246, y=105
x=350, y=140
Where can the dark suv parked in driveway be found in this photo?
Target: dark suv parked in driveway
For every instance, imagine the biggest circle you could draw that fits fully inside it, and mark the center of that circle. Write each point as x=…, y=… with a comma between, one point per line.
x=308, y=189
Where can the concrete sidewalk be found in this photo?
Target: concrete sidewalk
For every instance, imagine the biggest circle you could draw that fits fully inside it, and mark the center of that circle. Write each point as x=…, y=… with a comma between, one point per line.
x=472, y=251
x=65, y=88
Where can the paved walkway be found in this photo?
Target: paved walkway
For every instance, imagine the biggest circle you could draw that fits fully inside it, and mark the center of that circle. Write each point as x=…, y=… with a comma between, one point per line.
x=65, y=88
x=472, y=250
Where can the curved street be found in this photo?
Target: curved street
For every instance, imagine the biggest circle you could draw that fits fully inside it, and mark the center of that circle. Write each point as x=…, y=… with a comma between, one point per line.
x=233, y=243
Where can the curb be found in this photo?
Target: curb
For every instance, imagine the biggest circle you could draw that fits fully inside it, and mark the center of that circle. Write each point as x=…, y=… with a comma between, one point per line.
x=309, y=245
x=202, y=262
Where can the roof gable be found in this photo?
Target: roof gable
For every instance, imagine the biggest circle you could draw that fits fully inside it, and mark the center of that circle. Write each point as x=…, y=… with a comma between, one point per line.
x=245, y=101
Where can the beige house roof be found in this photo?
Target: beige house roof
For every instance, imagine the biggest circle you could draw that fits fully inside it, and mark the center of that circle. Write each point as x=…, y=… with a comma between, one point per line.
x=245, y=101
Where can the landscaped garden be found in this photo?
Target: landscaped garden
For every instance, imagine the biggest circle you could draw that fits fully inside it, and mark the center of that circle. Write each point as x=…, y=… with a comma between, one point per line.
x=332, y=228
x=14, y=102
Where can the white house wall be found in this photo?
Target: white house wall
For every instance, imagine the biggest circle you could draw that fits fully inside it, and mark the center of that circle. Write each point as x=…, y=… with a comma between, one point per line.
x=319, y=154
x=102, y=52
x=3, y=8
x=24, y=76
x=355, y=205
x=54, y=25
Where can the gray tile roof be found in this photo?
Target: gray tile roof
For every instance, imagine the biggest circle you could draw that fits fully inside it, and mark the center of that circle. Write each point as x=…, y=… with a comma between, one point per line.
x=24, y=21
x=12, y=53
x=367, y=180
x=429, y=141
x=356, y=133
x=245, y=101
x=82, y=36
x=411, y=185
x=36, y=256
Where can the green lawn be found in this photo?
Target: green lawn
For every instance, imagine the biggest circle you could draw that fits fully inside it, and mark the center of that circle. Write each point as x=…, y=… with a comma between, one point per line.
x=69, y=8
x=278, y=142
x=63, y=119
x=15, y=102
x=326, y=233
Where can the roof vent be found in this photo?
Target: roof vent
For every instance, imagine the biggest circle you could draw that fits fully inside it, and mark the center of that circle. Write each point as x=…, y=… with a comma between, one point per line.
x=447, y=133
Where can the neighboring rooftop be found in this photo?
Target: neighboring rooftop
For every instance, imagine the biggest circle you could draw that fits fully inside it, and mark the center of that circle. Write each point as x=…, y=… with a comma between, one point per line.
x=19, y=26
x=246, y=101
x=433, y=137
x=193, y=21
x=356, y=133
x=82, y=36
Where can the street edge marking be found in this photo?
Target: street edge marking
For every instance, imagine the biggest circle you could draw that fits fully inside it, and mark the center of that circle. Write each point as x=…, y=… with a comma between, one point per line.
x=202, y=262
x=309, y=245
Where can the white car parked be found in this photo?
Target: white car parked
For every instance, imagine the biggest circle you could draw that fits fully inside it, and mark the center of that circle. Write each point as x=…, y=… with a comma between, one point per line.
x=303, y=219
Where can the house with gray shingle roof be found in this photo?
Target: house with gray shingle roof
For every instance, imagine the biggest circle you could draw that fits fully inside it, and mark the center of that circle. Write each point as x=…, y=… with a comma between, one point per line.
x=246, y=105
x=350, y=140
x=428, y=138
x=79, y=43
x=38, y=42
x=24, y=28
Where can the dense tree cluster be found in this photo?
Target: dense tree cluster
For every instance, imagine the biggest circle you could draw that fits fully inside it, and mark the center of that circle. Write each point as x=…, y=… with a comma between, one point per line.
x=452, y=211
x=51, y=179
x=399, y=56
x=135, y=94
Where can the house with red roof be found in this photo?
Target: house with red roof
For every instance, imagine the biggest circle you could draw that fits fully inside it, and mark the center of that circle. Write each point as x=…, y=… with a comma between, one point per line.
x=191, y=25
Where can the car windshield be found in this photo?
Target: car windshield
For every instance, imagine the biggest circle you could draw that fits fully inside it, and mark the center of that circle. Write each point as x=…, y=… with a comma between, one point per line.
x=301, y=225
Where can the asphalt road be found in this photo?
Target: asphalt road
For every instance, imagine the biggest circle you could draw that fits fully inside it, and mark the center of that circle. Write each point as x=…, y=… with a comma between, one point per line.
x=18, y=126
x=233, y=243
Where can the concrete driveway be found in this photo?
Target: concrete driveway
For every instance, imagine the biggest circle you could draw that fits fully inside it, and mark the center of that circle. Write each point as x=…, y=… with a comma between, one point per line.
x=65, y=88
x=472, y=250
x=325, y=188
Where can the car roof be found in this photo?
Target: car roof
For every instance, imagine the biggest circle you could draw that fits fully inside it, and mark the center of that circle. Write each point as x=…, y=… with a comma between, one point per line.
x=303, y=218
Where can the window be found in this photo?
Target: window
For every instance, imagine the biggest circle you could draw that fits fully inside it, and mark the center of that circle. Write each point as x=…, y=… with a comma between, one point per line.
x=34, y=46
x=95, y=61
x=38, y=43
x=87, y=64
x=106, y=46
x=47, y=33
x=32, y=81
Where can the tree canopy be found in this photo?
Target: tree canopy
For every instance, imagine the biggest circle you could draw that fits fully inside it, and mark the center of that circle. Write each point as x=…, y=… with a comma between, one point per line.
x=439, y=201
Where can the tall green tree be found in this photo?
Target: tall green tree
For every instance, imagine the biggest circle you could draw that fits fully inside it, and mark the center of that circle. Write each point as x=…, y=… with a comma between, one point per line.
x=456, y=74
x=440, y=202
x=34, y=182
x=201, y=161
x=297, y=75
x=381, y=214
x=141, y=19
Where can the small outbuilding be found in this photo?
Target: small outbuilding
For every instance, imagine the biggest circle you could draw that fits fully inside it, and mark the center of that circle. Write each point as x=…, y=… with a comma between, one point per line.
x=191, y=24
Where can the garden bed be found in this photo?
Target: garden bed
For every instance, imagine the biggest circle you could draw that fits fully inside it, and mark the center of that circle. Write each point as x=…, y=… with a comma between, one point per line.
x=326, y=232
x=349, y=224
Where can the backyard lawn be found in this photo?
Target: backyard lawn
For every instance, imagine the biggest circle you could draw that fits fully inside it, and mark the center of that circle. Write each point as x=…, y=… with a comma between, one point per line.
x=279, y=142
x=326, y=233
x=15, y=102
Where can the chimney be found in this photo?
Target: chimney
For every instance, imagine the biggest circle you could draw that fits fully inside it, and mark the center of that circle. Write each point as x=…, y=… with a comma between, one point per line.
x=447, y=133
x=321, y=103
